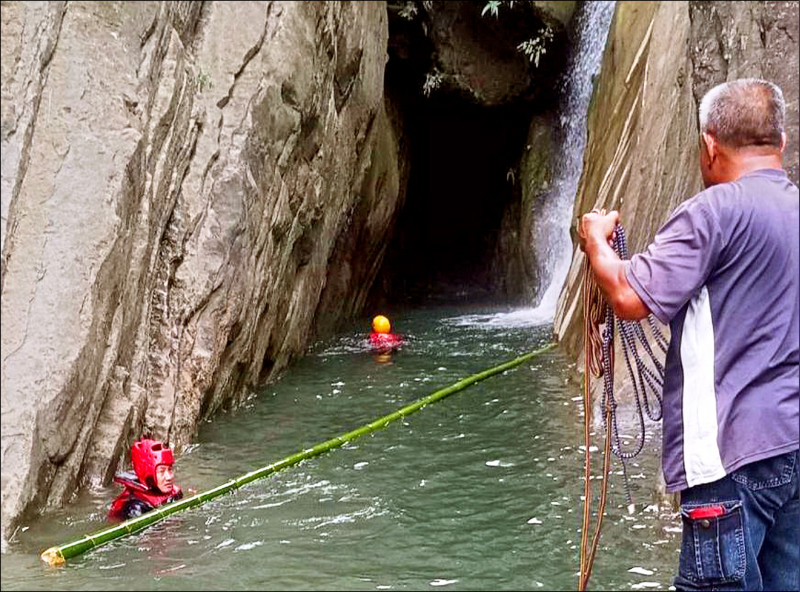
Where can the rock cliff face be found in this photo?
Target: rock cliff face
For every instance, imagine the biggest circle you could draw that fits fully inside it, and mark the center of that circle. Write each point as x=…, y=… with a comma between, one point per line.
x=178, y=184
x=641, y=154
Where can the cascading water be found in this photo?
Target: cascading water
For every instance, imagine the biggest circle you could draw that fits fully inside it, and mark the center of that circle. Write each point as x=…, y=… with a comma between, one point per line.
x=591, y=27
x=551, y=235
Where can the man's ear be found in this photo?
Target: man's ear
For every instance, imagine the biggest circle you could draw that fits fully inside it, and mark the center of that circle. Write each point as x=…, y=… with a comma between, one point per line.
x=710, y=145
x=783, y=141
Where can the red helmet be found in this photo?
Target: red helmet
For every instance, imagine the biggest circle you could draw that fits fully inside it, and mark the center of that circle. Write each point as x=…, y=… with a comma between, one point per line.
x=146, y=455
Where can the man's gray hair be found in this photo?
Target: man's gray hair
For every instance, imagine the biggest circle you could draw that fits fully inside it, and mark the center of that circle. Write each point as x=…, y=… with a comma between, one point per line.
x=745, y=112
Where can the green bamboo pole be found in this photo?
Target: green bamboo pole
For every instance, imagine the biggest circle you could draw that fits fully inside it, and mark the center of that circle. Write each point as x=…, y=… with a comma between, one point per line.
x=55, y=556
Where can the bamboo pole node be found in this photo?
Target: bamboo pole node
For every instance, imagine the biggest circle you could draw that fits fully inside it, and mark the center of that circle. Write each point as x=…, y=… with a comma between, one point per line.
x=53, y=557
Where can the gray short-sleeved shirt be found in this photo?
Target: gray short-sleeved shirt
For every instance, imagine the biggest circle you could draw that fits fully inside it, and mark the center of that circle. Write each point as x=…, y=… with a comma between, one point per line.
x=724, y=273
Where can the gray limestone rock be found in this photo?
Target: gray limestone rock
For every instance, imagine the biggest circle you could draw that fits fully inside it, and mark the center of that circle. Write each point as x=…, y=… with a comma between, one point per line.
x=175, y=178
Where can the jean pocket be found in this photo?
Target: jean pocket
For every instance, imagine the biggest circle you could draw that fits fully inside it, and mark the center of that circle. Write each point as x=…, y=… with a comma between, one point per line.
x=769, y=472
x=712, y=548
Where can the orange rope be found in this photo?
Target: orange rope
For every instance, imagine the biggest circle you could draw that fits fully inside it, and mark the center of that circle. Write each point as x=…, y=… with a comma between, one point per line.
x=594, y=313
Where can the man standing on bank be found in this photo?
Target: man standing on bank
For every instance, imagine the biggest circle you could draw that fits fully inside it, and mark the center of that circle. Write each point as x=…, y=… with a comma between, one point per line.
x=723, y=272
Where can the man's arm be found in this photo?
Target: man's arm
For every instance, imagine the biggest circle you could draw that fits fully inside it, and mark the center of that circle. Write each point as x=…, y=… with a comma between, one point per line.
x=595, y=231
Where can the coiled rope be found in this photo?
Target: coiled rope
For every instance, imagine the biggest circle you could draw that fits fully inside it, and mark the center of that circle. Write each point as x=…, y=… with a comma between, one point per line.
x=599, y=361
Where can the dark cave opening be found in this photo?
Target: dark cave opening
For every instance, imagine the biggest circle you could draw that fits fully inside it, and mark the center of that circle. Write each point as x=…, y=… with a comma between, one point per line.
x=462, y=178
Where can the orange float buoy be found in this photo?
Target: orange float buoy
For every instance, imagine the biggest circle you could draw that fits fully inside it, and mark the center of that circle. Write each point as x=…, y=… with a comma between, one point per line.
x=380, y=324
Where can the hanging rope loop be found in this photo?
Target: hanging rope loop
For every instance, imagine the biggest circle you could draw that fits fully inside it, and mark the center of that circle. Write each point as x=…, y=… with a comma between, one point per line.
x=646, y=376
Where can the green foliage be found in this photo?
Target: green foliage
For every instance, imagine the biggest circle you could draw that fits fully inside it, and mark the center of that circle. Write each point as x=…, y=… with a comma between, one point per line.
x=409, y=11
x=535, y=47
x=433, y=80
x=202, y=81
x=491, y=7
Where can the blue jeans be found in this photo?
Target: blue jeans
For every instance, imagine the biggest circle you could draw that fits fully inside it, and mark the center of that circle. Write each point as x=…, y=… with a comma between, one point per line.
x=742, y=532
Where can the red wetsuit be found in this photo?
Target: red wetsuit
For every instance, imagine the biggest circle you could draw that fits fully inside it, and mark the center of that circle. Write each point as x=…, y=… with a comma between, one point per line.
x=138, y=499
x=385, y=342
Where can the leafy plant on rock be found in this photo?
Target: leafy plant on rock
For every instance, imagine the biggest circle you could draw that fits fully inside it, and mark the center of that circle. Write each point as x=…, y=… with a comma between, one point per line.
x=536, y=46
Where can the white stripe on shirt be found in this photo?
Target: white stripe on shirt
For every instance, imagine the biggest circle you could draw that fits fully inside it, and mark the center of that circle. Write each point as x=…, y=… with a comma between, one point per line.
x=701, y=456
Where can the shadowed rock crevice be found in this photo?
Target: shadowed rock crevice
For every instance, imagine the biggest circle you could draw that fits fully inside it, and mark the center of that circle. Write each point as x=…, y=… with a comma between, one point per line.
x=463, y=177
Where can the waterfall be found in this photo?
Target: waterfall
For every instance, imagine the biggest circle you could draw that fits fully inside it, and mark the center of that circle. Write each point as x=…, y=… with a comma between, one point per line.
x=551, y=236
x=583, y=64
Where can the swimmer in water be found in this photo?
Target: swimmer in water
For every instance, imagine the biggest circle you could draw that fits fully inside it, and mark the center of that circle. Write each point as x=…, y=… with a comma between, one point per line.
x=382, y=340
x=151, y=485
